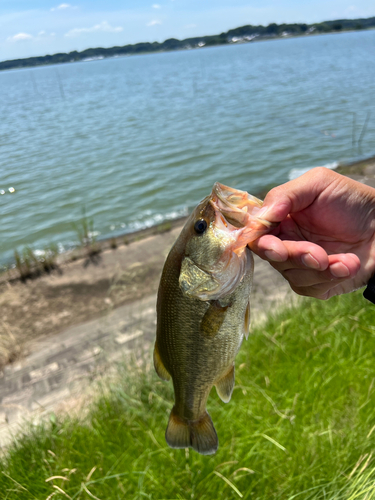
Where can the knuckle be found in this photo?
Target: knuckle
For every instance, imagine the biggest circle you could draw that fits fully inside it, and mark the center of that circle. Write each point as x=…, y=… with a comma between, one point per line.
x=275, y=192
x=321, y=171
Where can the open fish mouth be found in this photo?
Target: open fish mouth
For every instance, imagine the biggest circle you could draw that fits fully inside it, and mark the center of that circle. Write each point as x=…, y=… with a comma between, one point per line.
x=237, y=210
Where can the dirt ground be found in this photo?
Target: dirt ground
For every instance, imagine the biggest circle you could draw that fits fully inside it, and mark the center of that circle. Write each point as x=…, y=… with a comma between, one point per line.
x=88, y=288
x=78, y=291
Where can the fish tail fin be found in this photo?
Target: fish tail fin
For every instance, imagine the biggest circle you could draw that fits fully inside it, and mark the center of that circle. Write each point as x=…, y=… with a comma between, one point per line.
x=198, y=434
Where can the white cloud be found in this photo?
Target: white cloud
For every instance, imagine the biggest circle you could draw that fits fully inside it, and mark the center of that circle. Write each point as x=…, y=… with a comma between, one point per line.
x=103, y=26
x=156, y=6
x=153, y=23
x=41, y=33
x=19, y=37
x=63, y=6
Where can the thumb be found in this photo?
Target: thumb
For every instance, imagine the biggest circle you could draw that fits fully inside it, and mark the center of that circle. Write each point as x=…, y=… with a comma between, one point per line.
x=295, y=195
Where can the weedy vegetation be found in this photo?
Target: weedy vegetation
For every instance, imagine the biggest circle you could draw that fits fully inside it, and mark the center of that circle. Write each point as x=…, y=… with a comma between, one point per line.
x=30, y=265
x=300, y=425
x=48, y=260
x=86, y=235
x=164, y=227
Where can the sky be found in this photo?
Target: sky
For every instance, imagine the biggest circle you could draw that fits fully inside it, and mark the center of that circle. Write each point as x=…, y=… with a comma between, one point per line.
x=40, y=27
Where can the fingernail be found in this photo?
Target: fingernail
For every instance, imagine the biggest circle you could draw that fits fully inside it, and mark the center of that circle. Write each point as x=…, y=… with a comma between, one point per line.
x=274, y=256
x=310, y=261
x=262, y=212
x=339, y=270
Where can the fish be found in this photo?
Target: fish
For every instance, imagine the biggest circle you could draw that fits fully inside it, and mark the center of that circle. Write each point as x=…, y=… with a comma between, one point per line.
x=203, y=310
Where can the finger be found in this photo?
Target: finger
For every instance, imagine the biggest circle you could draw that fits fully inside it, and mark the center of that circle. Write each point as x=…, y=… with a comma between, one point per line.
x=322, y=291
x=343, y=267
x=297, y=194
x=285, y=254
x=271, y=248
x=338, y=263
x=339, y=289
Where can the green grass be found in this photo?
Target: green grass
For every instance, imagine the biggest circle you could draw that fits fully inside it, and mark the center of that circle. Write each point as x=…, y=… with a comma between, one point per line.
x=300, y=425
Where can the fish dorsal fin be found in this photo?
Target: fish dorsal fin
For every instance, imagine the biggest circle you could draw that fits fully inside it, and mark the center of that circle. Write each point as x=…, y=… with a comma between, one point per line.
x=198, y=434
x=246, y=323
x=158, y=364
x=225, y=385
x=213, y=319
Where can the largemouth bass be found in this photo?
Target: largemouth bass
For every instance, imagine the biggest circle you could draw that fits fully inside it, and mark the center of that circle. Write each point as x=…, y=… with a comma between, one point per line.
x=203, y=310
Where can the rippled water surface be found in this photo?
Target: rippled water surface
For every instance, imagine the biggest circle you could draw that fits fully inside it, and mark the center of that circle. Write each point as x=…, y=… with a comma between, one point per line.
x=136, y=140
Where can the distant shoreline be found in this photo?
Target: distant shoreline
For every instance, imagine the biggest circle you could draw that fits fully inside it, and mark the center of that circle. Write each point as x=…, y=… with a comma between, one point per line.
x=243, y=34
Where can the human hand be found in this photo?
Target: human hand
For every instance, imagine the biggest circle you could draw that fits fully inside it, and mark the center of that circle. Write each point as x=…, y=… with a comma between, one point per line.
x=325, y=242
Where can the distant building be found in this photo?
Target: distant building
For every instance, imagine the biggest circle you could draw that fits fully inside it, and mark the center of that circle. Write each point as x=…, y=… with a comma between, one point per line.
x=250, y=37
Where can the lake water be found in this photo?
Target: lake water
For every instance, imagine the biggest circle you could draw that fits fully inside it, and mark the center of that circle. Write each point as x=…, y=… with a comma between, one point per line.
x=136, y=140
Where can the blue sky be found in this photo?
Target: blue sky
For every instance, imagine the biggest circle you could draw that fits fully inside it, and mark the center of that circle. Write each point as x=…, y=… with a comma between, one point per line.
x=40, y=27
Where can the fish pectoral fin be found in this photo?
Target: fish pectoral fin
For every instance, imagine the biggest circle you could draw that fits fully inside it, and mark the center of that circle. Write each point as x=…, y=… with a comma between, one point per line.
x=213, y=319
x=246, y=324
x=198, y=434
x=225, y=385
x=158, y=364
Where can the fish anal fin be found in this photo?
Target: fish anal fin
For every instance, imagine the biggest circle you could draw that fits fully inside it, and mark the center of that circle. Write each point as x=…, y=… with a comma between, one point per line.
x=213, y=319
x=158, y=364
x=246, y=323
x=224, y=386
x=198, y=434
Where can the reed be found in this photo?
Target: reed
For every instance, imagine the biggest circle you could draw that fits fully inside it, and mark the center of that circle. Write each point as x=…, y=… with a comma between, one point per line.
x=30, y=265
x=86, y=235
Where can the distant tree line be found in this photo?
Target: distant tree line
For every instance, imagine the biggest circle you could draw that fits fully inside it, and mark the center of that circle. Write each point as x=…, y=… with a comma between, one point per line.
x=242, y=34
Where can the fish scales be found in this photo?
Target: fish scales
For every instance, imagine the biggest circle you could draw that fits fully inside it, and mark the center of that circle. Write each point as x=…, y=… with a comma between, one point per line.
x=203, y=311
x=211, y=356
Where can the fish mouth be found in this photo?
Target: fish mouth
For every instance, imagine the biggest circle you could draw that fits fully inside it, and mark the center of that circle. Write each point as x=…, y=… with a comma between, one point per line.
x=237, y=210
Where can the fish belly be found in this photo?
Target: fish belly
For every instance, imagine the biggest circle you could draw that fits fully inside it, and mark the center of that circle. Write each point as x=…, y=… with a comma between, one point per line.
x=197, y=351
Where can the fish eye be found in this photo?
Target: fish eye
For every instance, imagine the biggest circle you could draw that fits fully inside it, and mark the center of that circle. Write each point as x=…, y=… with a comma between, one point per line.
x=200, y=226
